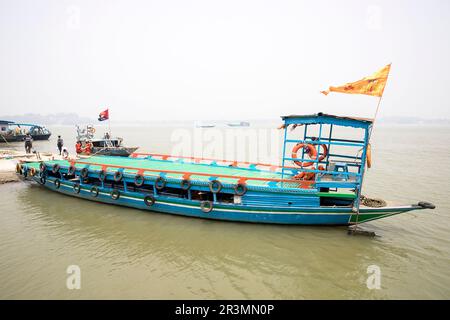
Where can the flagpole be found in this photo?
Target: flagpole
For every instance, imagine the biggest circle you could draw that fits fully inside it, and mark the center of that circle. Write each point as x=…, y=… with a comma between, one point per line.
x=375, y=117
x=109, y=124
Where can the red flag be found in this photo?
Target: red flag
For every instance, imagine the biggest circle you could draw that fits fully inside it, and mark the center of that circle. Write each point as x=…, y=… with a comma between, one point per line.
x=104, y=115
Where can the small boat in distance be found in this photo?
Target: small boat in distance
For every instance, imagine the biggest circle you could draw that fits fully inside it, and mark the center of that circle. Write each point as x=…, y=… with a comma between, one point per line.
x=11, y=131
x=239, y=124
x=200, y=124
x=87, y=144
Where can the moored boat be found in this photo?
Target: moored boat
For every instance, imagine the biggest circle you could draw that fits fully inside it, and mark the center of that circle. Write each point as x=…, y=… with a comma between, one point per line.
x=88, y=145
x=319, y=182
x=239, y=124
x=11, y=131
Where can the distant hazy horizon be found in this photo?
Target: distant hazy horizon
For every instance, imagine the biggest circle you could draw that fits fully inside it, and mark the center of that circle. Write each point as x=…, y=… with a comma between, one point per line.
x=200, y=59
x=72, y=119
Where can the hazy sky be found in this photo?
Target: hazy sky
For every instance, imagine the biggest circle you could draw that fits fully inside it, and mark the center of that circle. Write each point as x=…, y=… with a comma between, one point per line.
x=221, y=59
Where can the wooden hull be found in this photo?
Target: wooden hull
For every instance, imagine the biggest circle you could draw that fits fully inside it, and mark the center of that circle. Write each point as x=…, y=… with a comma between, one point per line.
x=230, y=212
x=114, y=152
x=20, y=138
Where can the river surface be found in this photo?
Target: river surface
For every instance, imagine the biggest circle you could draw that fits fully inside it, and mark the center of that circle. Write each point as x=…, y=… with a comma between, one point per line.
x=132, y=254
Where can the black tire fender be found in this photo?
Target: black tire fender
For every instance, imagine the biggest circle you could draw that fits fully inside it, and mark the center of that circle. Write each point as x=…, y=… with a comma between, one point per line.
x=149, y=200
x=206, y=206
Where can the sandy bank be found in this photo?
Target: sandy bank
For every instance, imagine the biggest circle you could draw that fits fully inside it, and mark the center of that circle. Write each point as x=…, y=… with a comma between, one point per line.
x=8, y=171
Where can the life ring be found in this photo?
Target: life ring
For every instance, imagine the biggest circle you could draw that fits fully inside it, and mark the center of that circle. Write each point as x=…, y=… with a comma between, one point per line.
x=369, y=156
x=115, y=194
x=240, y=189
x=206, y=206
x=32, y=172
x=215, y=186
x=18, y=167
x=91, y=129
x=311, y=151
x=160, y=183
x=149, y=200
x=324, y=153
x=185, y=184
x=139, y=180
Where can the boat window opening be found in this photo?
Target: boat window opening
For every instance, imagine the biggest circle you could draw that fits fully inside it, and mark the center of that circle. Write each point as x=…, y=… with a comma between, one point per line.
x=109, y=184
x=225, y=198
x=335, y=202
x=202, y=195
x=145, y=188
x=173, y=193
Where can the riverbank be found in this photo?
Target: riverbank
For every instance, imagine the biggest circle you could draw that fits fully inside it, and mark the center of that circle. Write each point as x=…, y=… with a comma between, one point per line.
x=7, y=171
x=9, y=159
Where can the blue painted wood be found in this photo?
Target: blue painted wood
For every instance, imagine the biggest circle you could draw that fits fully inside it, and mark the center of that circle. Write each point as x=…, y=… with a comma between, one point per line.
x=325, y=119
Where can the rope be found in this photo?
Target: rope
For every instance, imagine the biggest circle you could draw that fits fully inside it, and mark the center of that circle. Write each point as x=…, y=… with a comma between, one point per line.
x=5, y=139
x=373, y=202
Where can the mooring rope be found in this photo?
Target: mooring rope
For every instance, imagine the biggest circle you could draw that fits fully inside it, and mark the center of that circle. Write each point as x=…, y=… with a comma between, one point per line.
x=373, y=202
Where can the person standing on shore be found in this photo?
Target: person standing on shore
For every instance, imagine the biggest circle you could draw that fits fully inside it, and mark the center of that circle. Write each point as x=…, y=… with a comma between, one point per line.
x=60, y=144
x=28, y=143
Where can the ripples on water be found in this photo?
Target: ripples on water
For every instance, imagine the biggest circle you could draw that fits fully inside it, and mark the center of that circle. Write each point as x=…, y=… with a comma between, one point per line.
x=128, y=253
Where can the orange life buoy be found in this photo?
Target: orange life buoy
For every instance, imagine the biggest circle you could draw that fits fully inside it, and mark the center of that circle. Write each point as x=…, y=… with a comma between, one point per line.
x=369, y=156
x=312, y=153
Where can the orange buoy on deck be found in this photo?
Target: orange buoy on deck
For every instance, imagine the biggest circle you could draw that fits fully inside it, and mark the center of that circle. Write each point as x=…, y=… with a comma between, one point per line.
x=369, y=156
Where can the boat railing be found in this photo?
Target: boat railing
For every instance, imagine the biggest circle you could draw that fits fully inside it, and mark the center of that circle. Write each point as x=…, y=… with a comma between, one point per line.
x=188, y=174
x=337, y=162
x=293, y=169
x=234, y=163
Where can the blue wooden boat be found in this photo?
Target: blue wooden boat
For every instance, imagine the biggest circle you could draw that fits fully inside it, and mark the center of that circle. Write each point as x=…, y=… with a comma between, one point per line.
x=11, y=131
x=319, y=181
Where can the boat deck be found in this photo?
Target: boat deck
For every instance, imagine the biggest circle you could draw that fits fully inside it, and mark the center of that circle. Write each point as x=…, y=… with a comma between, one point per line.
x=181, y=170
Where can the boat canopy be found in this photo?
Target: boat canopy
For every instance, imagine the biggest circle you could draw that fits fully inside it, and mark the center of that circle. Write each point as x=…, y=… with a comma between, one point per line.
x=6, y=122
x=333, y=159
x=322, y=118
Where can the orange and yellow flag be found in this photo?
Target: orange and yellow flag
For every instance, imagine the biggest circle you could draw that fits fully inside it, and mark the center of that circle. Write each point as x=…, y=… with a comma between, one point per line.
x=372, y=85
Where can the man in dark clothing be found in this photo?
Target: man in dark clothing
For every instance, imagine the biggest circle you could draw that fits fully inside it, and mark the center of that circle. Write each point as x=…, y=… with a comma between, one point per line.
x=60, y=144
x=28, y=143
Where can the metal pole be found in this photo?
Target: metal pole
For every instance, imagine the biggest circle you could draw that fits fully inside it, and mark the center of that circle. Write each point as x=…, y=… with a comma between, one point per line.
x=374, y=117
x=109, y=125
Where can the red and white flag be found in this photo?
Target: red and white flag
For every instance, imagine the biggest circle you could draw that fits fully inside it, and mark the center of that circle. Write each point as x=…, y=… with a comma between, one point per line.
x=104, y=115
